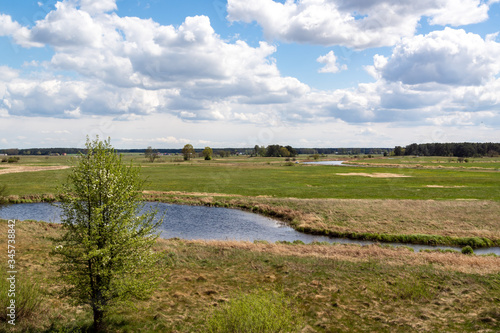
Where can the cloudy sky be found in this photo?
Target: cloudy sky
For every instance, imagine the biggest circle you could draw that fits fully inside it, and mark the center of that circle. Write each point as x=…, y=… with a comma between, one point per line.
x=309, y=73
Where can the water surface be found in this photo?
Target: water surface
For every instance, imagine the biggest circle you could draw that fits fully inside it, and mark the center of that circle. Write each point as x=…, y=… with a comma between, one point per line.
x=325, y=162
x=210, y=223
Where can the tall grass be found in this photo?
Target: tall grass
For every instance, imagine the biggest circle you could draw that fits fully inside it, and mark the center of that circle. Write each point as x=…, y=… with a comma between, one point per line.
x=28, y=297
x=3, y=193
x=261, y=311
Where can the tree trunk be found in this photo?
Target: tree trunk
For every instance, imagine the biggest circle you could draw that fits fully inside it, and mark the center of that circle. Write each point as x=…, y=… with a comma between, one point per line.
x=98, y=320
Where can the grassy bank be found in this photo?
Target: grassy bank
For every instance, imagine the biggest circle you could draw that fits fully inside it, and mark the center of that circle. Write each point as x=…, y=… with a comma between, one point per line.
x=331, y=288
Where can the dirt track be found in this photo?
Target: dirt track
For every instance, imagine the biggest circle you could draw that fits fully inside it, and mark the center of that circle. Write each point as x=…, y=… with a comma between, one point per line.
x=24, y=168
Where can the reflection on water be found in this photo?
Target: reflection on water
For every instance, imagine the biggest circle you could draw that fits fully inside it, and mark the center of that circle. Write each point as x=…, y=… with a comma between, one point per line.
x=325, y=162
x=209, y=223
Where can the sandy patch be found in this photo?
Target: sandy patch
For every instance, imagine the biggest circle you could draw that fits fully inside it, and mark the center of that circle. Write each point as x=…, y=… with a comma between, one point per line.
x=441, y=186
x=23, y=168
x=373, y=175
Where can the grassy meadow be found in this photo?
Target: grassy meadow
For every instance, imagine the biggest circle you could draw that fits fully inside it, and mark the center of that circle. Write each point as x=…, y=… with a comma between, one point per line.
x=277, y=178
x=331, y=288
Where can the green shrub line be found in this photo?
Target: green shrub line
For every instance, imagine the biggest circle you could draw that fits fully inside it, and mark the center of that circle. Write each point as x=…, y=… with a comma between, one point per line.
x=417, y=239
x=32, y=198
x=433, y=240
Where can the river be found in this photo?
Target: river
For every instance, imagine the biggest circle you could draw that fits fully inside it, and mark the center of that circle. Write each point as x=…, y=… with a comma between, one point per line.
x=210, y=223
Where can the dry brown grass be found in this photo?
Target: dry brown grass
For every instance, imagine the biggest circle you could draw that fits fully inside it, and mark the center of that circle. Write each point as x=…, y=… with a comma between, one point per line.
x=354, y=253
x=444, y=218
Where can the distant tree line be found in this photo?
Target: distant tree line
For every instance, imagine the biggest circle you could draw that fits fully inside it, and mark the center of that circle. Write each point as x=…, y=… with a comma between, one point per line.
x=272, y=150
x=41, y=151
x=463, y=149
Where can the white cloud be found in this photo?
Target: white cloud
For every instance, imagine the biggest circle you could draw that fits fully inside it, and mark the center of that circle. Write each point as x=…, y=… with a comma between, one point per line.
x=459, y=13
x=97, y=6
x=330, y=61
x=133, y=69
x=137, y=66
x=451, y=57
x=7, y=26
x=356, y=24
x=171, y=140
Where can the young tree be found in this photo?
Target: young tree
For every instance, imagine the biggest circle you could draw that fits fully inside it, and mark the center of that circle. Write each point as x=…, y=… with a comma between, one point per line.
x=188, y=152
x=106, y=255
x=207, y=153
x=151, y=154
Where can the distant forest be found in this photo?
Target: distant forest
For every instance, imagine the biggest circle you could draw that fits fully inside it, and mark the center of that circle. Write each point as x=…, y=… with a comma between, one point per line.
x=464, y=149
x=228, y=151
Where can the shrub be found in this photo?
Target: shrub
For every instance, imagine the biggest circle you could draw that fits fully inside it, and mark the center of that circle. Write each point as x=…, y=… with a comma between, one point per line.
x=13, y=159
x=261, y=311
x=467, y=250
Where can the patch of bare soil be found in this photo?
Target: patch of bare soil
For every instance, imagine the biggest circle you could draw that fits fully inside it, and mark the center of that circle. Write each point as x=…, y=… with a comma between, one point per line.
x=24, y=168
x=373, y=175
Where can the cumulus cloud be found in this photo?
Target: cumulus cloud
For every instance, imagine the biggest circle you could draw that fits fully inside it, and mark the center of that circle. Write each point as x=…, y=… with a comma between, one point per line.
x=451, y=57
x=97, y=6
x=330, y=62
x=358, y=24
x=146, y=67
x=130, y=68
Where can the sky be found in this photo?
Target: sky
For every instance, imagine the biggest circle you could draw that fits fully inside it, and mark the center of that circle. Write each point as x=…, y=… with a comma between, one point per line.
x=236, y=73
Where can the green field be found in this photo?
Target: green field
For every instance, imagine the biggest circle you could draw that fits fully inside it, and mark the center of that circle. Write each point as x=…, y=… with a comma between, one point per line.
x=273, y=177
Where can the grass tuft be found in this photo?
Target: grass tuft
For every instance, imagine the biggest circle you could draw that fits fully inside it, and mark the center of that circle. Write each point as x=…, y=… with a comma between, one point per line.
x=28, y=297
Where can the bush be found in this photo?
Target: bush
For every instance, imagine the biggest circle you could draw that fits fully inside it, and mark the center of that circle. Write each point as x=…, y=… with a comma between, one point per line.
x=261, y=311
x=467, y=250
x=13, y=159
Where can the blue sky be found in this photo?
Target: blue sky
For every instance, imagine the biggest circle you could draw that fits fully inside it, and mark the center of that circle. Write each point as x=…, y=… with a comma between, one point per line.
x=309, y=73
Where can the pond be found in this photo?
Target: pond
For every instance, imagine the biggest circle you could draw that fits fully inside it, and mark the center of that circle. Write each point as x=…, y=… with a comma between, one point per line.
x=209, y=223
x=326, y=163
